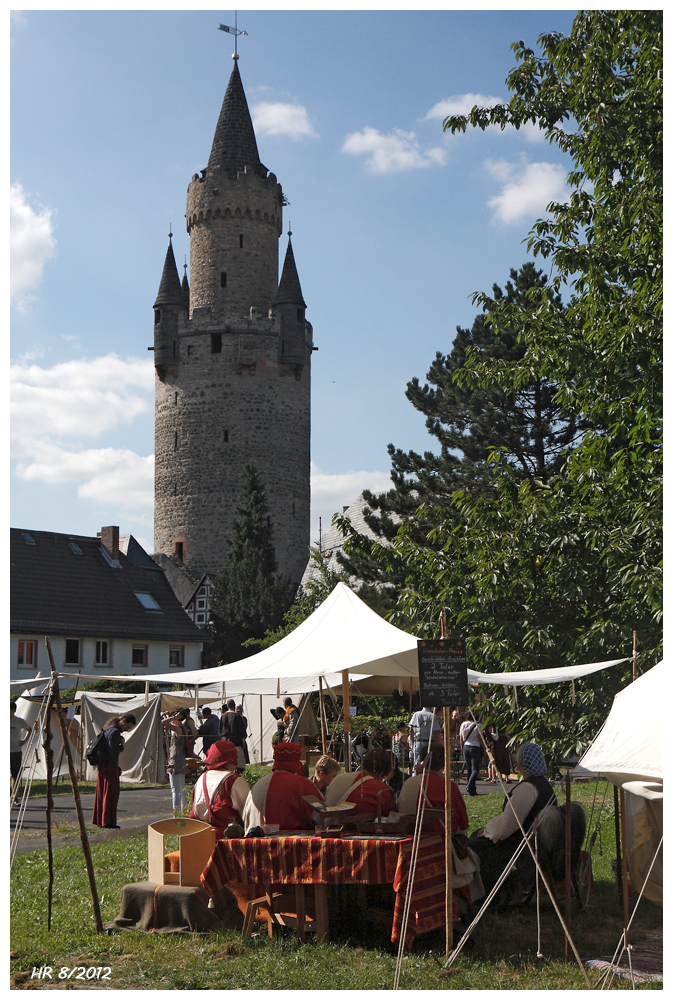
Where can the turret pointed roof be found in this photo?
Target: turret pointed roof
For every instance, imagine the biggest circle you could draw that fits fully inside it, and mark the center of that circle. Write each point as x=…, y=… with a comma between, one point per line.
x=185, y=288
x=234, y=145
x=170, y=291
x=289, y=289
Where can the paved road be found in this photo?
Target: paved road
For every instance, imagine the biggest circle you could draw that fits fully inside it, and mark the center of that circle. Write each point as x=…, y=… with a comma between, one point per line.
x=138, y=807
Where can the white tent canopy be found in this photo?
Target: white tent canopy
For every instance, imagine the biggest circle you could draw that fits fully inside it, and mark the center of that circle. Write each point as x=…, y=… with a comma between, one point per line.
x=629, y=752
x=345, y=634
x=630, y=746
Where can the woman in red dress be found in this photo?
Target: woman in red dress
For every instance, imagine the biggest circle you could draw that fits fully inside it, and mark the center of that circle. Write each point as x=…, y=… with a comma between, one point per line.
x=107, y=787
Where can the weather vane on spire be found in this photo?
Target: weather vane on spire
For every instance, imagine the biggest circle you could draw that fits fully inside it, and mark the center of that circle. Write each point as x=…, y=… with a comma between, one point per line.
x=235, y=32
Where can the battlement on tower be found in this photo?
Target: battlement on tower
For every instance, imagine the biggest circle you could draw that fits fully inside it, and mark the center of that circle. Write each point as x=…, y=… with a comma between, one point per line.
x=245, y=195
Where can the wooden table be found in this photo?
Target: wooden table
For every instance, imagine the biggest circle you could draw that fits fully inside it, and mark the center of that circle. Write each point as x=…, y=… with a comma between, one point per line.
x=298, y=859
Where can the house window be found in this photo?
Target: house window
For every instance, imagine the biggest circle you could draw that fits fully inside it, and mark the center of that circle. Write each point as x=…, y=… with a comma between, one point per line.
x=147, y=600
x=223, y=279
x=200, y=619
x=225, y=436
x=240, y=240
x=139, y=656
x=102, y=653
x=179, y=550
x=72, y=652
x=201, y=604
x=176, y=656
x=27, y=654
x=216, y=343
x=157, y=316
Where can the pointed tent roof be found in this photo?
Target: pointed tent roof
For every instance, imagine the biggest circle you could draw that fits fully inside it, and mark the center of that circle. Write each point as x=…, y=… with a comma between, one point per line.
x=289, y=289
x=170, y=290
x=234, y=145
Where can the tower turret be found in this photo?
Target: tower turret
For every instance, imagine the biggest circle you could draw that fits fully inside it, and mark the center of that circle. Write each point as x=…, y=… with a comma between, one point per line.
x=169, y=307
x=290, y=308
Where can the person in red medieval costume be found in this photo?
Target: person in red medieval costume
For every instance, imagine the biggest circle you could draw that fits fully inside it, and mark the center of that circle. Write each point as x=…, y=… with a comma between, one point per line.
x=466, y=878
x=277, y=798
x=362, y=787
x=107, y=786
x=220, y=793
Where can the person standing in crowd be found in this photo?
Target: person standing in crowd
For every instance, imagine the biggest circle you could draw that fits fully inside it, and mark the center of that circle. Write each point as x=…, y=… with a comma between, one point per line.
x=16, y=726
x=234, y=728
x=362, y=787
x=326, y=769
x=191, y=731
x=177, y=758
x=279, y=735
x=220, y=793
x=495, y=843
x=209, y=730
x=246, y=754
x=278, y=798
x=400, y=748
x=422, y=725
x=291, y=720
x=496, y=741
x=107, y=786
x=471, y=742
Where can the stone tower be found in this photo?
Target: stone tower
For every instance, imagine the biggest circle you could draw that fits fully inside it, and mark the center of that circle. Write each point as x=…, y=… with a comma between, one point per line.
x=232, y=353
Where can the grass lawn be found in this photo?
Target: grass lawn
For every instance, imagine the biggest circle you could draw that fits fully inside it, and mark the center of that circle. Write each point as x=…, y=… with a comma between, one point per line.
x=360, y=957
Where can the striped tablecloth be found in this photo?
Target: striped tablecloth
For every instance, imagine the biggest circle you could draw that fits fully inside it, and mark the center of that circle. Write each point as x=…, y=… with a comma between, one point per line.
x=296, y=860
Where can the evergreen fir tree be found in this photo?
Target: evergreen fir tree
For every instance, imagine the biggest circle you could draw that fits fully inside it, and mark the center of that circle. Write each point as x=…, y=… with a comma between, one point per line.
x=249, y=595
x=471, y=414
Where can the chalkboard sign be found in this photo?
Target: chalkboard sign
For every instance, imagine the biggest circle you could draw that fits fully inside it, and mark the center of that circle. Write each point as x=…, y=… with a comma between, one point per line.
x=442, y=672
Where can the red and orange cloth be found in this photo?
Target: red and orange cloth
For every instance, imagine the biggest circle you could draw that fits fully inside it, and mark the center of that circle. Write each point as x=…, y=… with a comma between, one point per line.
x=333, y=861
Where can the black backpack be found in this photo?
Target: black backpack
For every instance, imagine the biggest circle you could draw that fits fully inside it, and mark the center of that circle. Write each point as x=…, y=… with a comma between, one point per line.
x=98, y=752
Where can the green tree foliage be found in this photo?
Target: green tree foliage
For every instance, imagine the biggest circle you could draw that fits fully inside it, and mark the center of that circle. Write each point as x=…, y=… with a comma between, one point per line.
x=249, y=595
x=557, y=569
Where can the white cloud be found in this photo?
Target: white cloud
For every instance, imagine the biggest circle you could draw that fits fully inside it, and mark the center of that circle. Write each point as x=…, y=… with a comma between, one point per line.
x=461, y=104
x=31, y=243
x=527, y=189
x=330, y=493
x=54, y=410
x=275, y=118
x=393, y=152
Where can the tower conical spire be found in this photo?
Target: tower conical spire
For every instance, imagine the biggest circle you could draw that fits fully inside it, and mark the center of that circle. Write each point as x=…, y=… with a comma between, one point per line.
x=170, y=291
x=234, y=145
x=289, y=289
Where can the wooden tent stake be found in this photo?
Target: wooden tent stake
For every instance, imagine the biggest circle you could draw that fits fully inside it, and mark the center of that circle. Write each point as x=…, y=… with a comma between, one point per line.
x=75, y=792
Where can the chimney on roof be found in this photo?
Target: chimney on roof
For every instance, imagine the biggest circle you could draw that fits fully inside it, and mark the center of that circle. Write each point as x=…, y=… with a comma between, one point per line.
x=110, y=539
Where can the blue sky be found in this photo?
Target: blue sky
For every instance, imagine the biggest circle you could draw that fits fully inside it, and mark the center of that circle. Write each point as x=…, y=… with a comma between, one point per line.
x=394, y=224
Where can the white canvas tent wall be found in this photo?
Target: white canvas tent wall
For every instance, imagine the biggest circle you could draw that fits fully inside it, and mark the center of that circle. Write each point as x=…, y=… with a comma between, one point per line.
x=33, y=752
x=143, y=758
x=629, y=752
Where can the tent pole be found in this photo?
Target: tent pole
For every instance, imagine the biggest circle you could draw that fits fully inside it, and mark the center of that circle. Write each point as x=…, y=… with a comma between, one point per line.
x=75, y=791
x=568, y=865
x=618, y=846
x=261, y=735
x=625, y=875
x=448, y=814
x=635, y=655
x=322, y=716
x=346, y=698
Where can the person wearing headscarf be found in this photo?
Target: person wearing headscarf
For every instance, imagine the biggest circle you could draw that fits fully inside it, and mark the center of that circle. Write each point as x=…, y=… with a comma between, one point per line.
x=220, y=794
x=277, y=798
x=498, y=840
x=362, y=787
